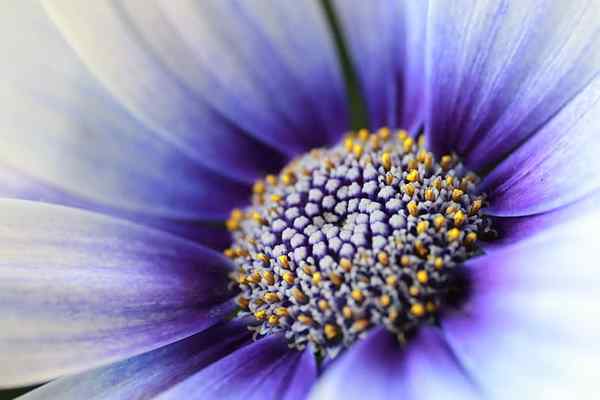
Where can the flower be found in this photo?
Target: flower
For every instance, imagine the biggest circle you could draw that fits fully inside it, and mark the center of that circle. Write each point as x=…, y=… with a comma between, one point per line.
x=132, y=129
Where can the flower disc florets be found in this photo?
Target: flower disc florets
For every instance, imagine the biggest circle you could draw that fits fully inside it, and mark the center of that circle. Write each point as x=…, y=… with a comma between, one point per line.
x=367, y=233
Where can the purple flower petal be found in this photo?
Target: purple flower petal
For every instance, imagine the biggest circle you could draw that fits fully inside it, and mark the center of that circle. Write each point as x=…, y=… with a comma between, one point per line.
x=80, y=290
x=386, y=41
x=61, y=130
x=266, y=369
x=557, y=166
x=530, y=328
x=498, y=71
x=380, y=368
x=214, y=76
x=148, y=375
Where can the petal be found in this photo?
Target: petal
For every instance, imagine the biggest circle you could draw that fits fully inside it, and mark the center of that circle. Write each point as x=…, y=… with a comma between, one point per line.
x=555, y=167
x=266, y=369
x=206, y=74
x=79, y=290
x=148, y=375
x=62, y=131
x=498, y=71
x=386, y=44
x=378, y=367
x=530, y=327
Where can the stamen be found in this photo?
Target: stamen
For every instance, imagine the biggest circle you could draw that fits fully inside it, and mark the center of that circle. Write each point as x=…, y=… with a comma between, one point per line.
x=367, y=233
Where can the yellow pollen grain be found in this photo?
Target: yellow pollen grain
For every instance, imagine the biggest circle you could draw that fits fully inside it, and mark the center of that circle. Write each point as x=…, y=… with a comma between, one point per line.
x=430, y=194
x=357, y=295
x=348, y=144
x=383, y=258
x=271, y=180
x=347, y=312
x=457, y=194
x=323, y=305
x=437, y=183
x=263, y=258
x=421, y=249
x=357, y=149
x=336, y=279
x=412, y=176
x=453, y=234
x=254, y=278
x=412, y=164
x=241, y=279
x=449, y=180
x=360, y=325
x=412, y=208
x=385, y=300
x=346, y=264
x=330, y=331
x=375, y=142
x=229, y=253
x=243, y=302
x=316, y=278
x=391, y=280
x=393, y=314
x=289, y=277
x=402, y=135
x=260, y=315
x=459, y=218
x=298, y=295
x=438, y=263
x=450, y=210
x=471, y=238
x=413, y=291
x=417, y=310
x=271, y=297
x=305, y=319
x=268, y=277
x=276, y=198
x=409, y=188
x=258, y=187
x=281, y=311
x=389, y=179
x=422, y=227
x=288, y=178
x=363, y=134
x=422, y=276
x=257, y=217
x=273, y=320
x=239, y=252
x=408, y=144
x=232, y=225
x=284, y=261
x=446, y=162
x=384, y=133
x=475, y=207
x=308, y=269
x=405, y=261
x=386, y=161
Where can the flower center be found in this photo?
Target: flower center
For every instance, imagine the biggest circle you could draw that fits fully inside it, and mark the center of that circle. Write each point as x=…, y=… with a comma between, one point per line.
x=369, y=232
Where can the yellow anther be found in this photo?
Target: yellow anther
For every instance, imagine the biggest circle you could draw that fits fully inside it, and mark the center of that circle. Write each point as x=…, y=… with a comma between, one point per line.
x=263, y=258
x=391, y=280
x=402, y=135
x=446, y=162
x=459, y=218
x=305, y=319
x=288, y=178
x=259, y=302
x=357, y=149
x=271, y=297
x=336, y=279
x=453, y=234
x=438, y=263
x=363, y=134
x=413, y=291
x=239, y=252
x=417, y=310
x=451, y=210
x=289, y=277
x=346, y=264
x=449, y=180
x=255, y=215
x=422, y=276
x=330, y=331
x=412, y=208
x=360, y=325
x=421, y=249
x=430, y=306
x=349, y=144
x=323, y=305
x=393, y=314
x=329, y=165
x=232, y=224
x=412, y=164
x=316, y=278
x=281, y=311
x=347, y=312
x=375, y=142
x=260, y=315
x=422, y=227
x=357, y=295
x=405, y=261
x=384, y=133
x=258, y=187
x=308, y=269
x=254, y=278
x=284, y=261
x=273, y=320
x=457, y=194
x=383, y=258
x=243, y=302
x=408, y=144
x=389, y=179
x=430, y=194
x=471, y=238
x=268, y=277
x=229, y=252
x=385, y=300
x=298, y=295
x=271, y=180
x=437, y=183
x=386, y=161
x=236, y=213
x=475, y=207
x=276, y=198
x=439, y=221
x=409, y=189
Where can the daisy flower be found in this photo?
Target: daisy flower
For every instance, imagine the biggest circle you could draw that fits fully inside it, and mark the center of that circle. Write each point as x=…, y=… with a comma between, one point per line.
x=300, y=199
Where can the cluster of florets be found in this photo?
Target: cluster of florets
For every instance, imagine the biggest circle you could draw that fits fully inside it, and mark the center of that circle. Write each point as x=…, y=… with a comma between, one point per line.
x=366, y=233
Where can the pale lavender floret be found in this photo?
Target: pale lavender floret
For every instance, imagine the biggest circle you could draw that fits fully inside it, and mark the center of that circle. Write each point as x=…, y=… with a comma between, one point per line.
x=292, y=213
x=329, y=202
x=386, y=192
x=278, y=225
x=330, y=231
x=380, y=228
x=315, y=195
x=319, y=180
x=330, y=217
x=358, y=239
x=280, y=250
x=301, y=222
x=354, y=190
x=363, y=205
x=319, y=249
x=311, y=209
x=369, y=187
x=377, y=216
x=310, y=229
x=394, y=204
x=342, y=193
x=352, y=205
x=353, y=174
x=335, y=244
x=268, y=238
x=332, y=185
x=340, y=208
x=379, y=242
x=316, y=237
x=397, y=221
x=288, y=233
x=345, y=234
x=297, y=240
x=362, y=218
x=300, y=254
x=369, y=172
x=293, y=199
x=347, y=250
x=326, y=262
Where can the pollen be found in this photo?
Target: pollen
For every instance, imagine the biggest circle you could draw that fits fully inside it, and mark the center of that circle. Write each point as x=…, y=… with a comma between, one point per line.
x=367, y=233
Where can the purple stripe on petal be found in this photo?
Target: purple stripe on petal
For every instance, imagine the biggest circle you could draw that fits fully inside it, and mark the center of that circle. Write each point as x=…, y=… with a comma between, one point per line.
x=215, y=76
x=386, y=42
x=530, y=328
x=498, y=70
x=266, y=369
x=379, y=368
x=79, y=290
x=148, y=375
